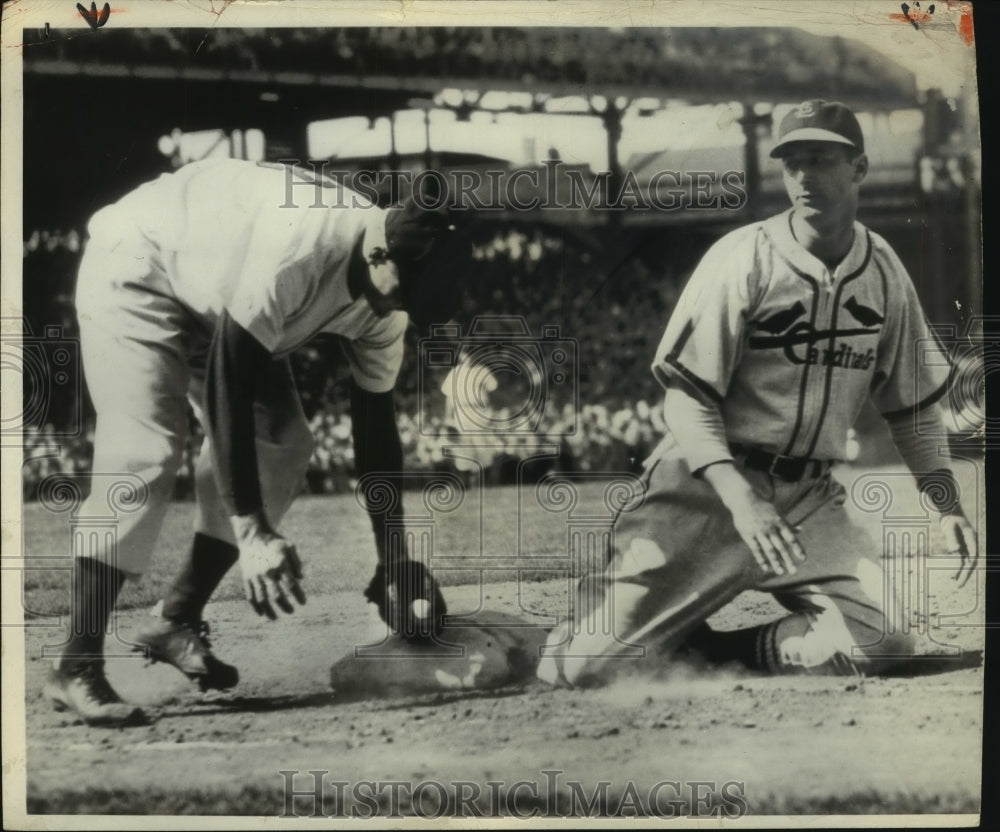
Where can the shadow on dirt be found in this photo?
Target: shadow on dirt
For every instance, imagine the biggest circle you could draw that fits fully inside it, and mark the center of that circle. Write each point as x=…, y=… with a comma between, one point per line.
x=333, y=699
x=253, y=704
x=398, y=699
x=930, y=665
x=434, y=700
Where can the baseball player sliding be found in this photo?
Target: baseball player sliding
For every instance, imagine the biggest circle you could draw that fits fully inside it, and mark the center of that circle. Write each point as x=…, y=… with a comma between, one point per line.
x=195, y=287
x=784, y=330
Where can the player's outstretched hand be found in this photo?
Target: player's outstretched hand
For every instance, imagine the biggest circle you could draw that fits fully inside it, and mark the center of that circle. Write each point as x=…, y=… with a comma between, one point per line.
x=772, y=541
x=271, y=570
x=960, y=539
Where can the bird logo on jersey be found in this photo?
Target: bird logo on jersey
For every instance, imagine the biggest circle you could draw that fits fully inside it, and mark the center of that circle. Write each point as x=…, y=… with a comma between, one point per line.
x=862, y=313
x=790, y=334
x=780, y=321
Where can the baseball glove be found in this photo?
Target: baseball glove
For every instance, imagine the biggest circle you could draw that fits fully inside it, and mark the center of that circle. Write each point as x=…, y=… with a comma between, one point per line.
x=408, y=599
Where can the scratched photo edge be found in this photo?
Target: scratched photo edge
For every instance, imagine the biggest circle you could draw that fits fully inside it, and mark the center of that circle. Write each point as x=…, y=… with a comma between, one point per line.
x=15, y=179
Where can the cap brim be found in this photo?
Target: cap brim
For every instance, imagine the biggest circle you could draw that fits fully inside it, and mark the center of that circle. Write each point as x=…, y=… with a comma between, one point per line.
x=810, y=134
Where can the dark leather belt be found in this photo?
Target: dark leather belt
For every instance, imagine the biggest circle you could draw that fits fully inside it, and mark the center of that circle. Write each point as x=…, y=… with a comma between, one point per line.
x=788, y=468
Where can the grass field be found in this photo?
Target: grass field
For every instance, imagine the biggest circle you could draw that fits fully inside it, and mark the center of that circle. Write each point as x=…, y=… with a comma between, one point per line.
x=489, y=536
x=480, y=540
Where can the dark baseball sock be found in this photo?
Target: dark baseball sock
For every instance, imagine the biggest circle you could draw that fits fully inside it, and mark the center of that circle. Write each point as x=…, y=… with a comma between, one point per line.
x=745, y=646
x=95, y=589
x=208, y=561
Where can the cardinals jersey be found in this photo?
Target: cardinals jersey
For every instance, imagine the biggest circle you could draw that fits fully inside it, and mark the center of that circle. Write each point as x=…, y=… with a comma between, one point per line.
x=790, y=352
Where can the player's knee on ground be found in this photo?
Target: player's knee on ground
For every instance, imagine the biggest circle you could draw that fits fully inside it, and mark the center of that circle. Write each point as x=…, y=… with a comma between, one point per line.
x=885, y=652
x=818, y=643
x=590, y=648
x=849, y=615
x=641, y=606
x=829, y=642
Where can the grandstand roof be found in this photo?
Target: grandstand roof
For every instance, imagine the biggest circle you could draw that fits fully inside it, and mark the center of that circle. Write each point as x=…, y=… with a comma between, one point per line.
x=692, y=63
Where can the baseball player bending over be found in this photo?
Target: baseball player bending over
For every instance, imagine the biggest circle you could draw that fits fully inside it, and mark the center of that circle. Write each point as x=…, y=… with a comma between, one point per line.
x=784, y=330
x=195, y=287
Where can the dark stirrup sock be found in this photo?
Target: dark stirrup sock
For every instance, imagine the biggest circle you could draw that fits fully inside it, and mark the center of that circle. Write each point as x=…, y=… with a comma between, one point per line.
x=95, y=589
x=207, y=563
x=750, y=646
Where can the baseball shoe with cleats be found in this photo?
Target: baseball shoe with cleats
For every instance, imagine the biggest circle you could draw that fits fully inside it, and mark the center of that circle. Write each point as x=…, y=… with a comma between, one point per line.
x=839, y=664
x=85, y=690
x=185, y=645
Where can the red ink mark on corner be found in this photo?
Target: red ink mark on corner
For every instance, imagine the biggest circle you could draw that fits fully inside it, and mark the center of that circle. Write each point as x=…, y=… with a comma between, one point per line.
x=96, y=19
x=918, y=17
x=965, y=25
x=913, y=15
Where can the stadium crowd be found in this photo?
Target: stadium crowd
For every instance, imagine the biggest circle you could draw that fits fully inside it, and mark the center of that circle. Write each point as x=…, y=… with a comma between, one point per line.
x=599, y=419
x=594, y=438
x=601, y=439
x=606, y=417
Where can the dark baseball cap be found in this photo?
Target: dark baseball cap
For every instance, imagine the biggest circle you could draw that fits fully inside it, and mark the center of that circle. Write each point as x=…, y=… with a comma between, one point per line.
x=819, y=121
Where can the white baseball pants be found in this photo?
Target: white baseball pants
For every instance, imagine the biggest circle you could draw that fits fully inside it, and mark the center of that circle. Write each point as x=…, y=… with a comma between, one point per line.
x=143, y=356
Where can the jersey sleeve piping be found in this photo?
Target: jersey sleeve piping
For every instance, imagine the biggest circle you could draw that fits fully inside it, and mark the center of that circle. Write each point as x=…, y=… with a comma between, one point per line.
x=699, y=383
x=933, y=398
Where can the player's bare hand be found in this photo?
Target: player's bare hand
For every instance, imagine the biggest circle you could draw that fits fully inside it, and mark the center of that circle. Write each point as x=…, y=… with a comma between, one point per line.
x=960, y=539
x=771, y=540
x=271, y=569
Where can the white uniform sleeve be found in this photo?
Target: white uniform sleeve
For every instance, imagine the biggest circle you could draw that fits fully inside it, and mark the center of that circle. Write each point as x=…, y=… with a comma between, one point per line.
x=912, y=368
x=269, y=294
x=290, y=253
x=698, y=428
x=376, y=357
x=702, y=343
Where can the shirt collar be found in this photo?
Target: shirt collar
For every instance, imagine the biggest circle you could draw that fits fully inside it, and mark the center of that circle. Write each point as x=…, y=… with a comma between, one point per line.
x=779, y=229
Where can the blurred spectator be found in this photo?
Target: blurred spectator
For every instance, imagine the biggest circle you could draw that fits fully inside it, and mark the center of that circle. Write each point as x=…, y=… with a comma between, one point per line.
x=606, y=417
x=529, y=274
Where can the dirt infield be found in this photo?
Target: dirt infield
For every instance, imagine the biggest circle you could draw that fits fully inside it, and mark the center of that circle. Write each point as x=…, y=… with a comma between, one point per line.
x=689, y=742
x=798, y=744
